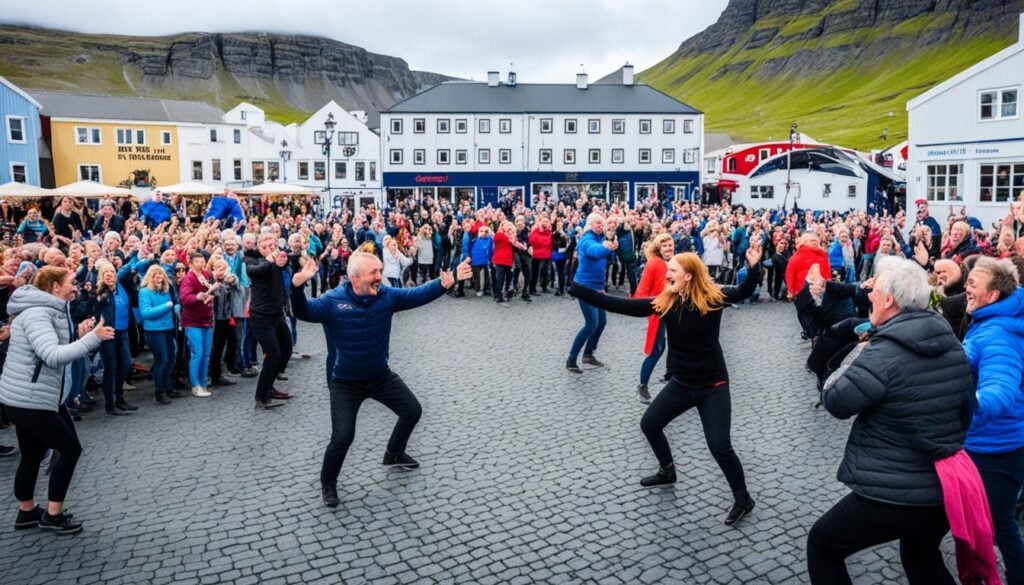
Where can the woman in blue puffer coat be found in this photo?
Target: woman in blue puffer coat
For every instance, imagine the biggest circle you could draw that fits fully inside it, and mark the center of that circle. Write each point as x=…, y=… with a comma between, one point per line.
x=157, y=309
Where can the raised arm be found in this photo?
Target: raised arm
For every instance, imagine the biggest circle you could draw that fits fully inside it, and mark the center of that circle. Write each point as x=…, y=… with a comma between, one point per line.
x=410, y=298
x=631, y=307
x=735, y=294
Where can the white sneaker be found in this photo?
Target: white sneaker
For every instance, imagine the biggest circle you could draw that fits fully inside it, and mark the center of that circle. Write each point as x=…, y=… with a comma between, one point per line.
x=200, y=392
x=479, y=293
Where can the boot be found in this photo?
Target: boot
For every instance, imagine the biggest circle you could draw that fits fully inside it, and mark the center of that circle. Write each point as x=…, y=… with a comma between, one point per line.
x=664, y=476
x=744, y=505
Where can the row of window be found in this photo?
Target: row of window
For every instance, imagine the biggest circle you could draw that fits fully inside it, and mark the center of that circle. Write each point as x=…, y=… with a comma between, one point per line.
x=92, y=135
x=545, y=156
x=768, y=191
x=319, y=170
x=444, y=126
x=236, y=135
x=998, y=183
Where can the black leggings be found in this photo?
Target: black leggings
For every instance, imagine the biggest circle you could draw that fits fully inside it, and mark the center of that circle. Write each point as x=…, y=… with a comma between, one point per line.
x=715, y=408
x=856, y=523
x=39, y=430
x=347, y=397
x=275, y=338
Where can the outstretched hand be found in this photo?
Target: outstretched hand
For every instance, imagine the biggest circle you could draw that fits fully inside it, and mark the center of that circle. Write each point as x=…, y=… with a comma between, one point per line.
x=447, y=279
x=464, y=271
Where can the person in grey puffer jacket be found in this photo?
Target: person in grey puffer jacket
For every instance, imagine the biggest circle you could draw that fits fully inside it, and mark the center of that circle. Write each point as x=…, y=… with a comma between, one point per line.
x=911, y=388
x=35, y=380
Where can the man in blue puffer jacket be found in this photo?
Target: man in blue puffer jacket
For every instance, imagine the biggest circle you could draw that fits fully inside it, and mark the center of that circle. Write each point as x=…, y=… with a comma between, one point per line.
x=995, y=441
x=226, y=209
x=593, y=251
x=358, y=316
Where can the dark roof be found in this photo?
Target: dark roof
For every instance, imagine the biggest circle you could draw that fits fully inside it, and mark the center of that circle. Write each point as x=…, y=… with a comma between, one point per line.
x=477, y=97
x=66, y=105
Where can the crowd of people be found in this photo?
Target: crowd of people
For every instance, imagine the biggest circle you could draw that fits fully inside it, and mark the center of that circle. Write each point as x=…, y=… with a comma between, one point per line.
x=915, y=328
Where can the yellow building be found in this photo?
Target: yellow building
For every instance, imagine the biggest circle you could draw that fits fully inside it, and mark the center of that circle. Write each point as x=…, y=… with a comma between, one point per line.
x=128, y=142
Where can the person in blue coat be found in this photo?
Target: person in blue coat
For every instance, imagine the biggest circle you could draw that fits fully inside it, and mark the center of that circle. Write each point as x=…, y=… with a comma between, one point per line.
x=593, y=251
x=995, y=441
x=157, y=308
x=357, y=319
x=155, y=212
x=226, y=209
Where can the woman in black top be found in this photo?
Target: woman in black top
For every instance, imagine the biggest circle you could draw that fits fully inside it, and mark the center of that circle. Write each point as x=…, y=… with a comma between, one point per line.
x=690, y=307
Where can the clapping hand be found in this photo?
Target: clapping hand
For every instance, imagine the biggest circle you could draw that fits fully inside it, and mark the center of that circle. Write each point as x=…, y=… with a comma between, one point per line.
x=754, y=253
x=104, y=332
x=464, y=271
x=86, y=326
x=921, y=254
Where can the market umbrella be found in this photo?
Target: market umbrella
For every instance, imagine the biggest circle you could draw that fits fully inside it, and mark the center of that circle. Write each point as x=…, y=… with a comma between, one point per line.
x=90, y=189
x=276, y=189
x=190, y=188
x=15, y=190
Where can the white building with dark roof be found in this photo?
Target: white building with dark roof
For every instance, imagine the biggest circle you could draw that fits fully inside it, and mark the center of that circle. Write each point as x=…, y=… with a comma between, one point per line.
x=480, y=141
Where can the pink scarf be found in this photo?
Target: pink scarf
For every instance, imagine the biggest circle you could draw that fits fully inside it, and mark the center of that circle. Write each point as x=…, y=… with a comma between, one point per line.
x=963, y=495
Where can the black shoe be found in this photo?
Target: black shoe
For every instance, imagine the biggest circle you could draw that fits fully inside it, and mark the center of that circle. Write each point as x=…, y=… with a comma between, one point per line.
x=330, y=494
x=76, y=415
x=665, y=476
x=86, y=407
x=527, y=299
x=400, y=460
x=744, y=505
x=85, y=399
x=593, y=361
x=221, y=382
x=643, y=393
x=122, y=405
x=162, y=398
x=234, y=371
x=174, y=394
x=666, y=377
x=116, y=412
x=7, y=451
x=28, y=519
x=267, y=404
x=573, y=367
x=61, y=524
x=459, y=295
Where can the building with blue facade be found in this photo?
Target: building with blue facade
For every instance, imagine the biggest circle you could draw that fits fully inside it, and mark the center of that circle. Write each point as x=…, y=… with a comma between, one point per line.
x=482, y=142
x=22, y=131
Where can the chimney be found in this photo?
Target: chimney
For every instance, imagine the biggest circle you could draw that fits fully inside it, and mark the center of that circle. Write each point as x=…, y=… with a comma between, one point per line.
x=627, y=74
x=581, y=81
x=492, y=79
x=512, y=78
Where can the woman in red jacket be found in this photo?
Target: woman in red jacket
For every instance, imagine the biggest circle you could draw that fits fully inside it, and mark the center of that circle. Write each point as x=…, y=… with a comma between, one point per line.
x=504, y=238
x=197, y=320
x=540, y=247
x=658, y=252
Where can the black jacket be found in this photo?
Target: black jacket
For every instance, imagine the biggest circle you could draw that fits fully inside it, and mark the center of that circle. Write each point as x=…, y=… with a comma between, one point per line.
x=267, y=286
x=911, y=388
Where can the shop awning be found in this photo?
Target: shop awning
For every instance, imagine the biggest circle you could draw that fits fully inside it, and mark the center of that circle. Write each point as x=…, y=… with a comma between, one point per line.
x=728, y=184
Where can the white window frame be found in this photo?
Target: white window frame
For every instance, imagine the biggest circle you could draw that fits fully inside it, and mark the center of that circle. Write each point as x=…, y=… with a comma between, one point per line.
x=396, y=160
x=396, y=125
x=621, y=123
x=344, y=169
x=213, y=135
x=444, y=126
x=461, y=156
x=687, y=126
x=236, y=136
x=91, y=132
x=215, y=169
x=24, y=132
x=99, y=171
x=594, y=160
x=762, y=192
x=689, y=157
x=461, y=125
x=851, y=191
x=236, y=168
x=483, y=126
x=166, y=138
x=997, y=105
x=941, y=193
x=504, y=125
x=135, y=136
x=419, y=156
x=645, y=126
x=444, y=156
x=504, y=156
x=571, y=121
x=594, y=126
x=299, y=166
x=483, y=156
x=618, y=156
x=668, y=126
x=668, y=156
x=545, y=156
x=641, y=157
x=1012, y=189
x=348, y=138
x=201, y=170
x=19, y=164
x=569, y=156
x=547, y=125
x=419, y=125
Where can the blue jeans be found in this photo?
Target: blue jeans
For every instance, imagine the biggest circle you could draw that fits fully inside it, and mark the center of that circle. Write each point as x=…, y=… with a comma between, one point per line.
x=594, y=322
x=116, y=360
x=647, y=368
x=161, y=343
x=247, y=349
x=200, y=344
x=1003, y=476
x=78, y=372
x=294, y=323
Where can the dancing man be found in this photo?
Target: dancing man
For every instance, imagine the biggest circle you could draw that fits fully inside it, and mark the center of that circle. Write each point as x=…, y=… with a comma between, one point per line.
x=690, y=307
x=593, y=249
x=357, y=318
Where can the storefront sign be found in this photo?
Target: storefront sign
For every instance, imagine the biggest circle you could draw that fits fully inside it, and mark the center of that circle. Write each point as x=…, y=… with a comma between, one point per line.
x=969, y=151
x=431, y=178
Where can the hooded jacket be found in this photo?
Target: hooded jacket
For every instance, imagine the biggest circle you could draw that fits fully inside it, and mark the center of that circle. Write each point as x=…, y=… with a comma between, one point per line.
x=995, y=349
x=911, y=388
x=35, y=375
x=801, y=262
x=593, y=260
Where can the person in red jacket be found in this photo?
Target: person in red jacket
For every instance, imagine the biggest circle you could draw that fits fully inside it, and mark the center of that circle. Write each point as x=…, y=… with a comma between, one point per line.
x=197, y=320
x=658, y=252
x=808, y=253
x=502, y=259
x=540, y=249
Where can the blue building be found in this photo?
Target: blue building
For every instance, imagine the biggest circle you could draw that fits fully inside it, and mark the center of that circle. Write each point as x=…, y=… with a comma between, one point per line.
x=19, y=145
x=480, y=142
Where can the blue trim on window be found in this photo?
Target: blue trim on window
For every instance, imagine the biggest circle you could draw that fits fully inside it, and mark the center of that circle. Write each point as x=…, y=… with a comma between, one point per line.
x=993, y=141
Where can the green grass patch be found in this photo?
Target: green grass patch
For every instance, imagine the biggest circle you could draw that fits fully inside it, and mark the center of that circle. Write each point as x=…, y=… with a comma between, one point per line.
x=799, y=25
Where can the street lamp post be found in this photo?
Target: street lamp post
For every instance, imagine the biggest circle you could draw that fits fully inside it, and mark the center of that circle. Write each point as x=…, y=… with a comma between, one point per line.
x=286, y=155
x=328, y=139
x=789, y=160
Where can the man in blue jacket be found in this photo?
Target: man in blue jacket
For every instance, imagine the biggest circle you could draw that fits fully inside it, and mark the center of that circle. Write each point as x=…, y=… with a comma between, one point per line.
x=155, y=212
x=995, y=441
x=358, y=315
x=593, y=251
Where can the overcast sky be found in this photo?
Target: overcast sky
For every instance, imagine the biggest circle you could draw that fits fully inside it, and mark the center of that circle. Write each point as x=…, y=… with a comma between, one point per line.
x=547, y=40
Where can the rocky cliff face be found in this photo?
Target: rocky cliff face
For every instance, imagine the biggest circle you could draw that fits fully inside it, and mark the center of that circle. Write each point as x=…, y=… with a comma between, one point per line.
x=286, y=71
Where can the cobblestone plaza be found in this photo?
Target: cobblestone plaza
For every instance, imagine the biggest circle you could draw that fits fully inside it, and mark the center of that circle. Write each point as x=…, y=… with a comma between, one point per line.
x=529, y=473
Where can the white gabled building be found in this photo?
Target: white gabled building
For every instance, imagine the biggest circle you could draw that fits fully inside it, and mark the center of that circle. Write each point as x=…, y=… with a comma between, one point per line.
x=213, y=152
x=967, y=138
x=295, y=153
x=481, y=141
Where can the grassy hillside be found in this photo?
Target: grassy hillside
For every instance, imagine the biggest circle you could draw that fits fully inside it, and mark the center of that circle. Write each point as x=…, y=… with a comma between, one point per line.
x=850, y=104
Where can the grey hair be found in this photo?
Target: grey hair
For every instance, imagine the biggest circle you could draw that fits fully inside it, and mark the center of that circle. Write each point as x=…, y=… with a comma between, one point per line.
x=594, y=218
x=357, y=263
x=905, y=280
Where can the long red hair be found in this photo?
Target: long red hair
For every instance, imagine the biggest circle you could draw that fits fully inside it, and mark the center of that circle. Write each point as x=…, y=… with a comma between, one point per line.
x=702, y=292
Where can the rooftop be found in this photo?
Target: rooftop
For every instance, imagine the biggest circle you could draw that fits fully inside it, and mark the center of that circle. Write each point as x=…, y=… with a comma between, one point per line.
x=95, y=107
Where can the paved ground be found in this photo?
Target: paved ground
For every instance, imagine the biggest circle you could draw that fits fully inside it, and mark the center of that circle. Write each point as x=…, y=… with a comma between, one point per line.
x=529, y=473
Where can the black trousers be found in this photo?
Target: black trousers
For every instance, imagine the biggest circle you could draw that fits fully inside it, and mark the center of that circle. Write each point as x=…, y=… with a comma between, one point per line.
x=347, y=397
x=539, y=270
x=37, y=431
x=856, y=523
x=275, y=338
x=502, y=280
x=225, y=345
x=715, y=408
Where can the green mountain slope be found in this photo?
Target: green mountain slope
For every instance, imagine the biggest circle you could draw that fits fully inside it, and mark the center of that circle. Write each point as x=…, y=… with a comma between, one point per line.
x=841, y=71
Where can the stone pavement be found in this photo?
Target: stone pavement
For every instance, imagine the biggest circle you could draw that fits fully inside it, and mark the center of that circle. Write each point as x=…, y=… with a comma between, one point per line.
x=530, y=474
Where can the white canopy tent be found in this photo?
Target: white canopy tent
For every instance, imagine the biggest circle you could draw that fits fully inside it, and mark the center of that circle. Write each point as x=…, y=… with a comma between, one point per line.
x=276, y=189
x=90, y=189
x=15, y=190
x=188, y=188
